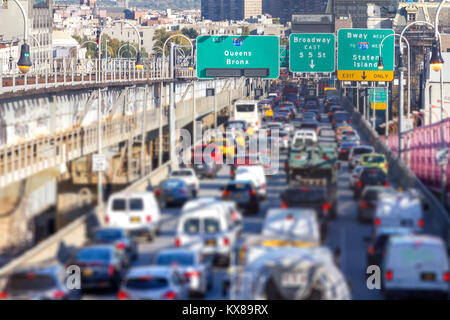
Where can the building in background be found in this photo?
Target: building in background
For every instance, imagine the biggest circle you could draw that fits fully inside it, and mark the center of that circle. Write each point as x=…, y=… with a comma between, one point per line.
x=40, y=21
x=284, y=9
x=221, y=10
x=367, y=13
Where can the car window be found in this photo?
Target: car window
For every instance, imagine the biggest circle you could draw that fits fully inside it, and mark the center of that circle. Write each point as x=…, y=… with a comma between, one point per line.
x=358, y=151
x=94, y=254
x=373, y=174
x=341, y=116
x=192, y=226
x=211, y=225
x=245, y=108
x=136, y=204
x=182, y=259
x=181, y=173
x=119, y=205
x=303, y=194
x=410, y=255
x=30, y=281
x=172, y=184
x=237, y=187
x=374, y=159
x=145, y=283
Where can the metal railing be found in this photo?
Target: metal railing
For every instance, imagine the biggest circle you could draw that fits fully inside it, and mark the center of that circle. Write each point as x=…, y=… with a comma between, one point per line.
x=48, y=73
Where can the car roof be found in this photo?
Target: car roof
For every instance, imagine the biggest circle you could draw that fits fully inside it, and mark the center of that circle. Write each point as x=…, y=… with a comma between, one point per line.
x=173, y=179
x=98, y=246
x=393, y=231
x=178, y=251
x=154, y=270
x=412, y=238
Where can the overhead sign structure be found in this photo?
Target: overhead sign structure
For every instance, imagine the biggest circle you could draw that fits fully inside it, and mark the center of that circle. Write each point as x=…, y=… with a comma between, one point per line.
x=284, y=56
x=237, y=56
x=312, y=52
x=359, y=52
x=380, y=98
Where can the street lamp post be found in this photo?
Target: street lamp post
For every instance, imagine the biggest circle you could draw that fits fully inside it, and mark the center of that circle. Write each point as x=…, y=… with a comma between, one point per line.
x=175, y=36
x=437, y=64
x=24, y=62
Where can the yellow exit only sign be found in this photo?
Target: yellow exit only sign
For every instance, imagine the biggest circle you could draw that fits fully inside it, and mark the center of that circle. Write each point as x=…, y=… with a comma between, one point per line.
x=355, y=75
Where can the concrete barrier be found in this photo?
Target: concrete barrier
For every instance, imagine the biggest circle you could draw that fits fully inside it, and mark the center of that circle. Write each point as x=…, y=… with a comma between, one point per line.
x=436, y=218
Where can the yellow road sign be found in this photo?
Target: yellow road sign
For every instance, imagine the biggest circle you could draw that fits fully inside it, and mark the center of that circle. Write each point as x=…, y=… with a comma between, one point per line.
x=355, y=75
x=378, y=106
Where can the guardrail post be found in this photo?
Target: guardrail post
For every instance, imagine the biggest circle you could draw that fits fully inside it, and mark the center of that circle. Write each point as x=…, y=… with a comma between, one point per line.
x=72, y=66
x=55, y=73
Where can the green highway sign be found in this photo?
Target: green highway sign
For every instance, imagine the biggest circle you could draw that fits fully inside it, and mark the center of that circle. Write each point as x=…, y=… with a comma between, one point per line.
x=358, y=54
x=237, y=56
x=380, y=98
x=312, y=52
x=284, y=56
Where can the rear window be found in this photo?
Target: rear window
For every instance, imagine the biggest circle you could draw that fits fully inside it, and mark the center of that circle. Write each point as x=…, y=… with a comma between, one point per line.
x=357, y=151
x=373, y=174
x=136, y=204
x=192, y=226
x=119, y=205
x=30, y=281
x=94, y=255
x=236, y=125
x=182, y=173
x=178, y=258
x=172, y=184
x=211, y=225
x=371, y=195
x=341, y=116
x=374, y=159
x=145, y=283
x=410, y=255
x=108, y=235
x=306, y=195
x=236, y=187
x=245, y=107
x=309, y=125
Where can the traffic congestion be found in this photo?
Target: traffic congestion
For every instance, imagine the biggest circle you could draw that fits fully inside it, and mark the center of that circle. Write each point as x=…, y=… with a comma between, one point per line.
x=309, y=214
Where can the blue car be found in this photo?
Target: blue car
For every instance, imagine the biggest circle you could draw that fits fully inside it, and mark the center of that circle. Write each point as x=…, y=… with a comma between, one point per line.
x=173, y=192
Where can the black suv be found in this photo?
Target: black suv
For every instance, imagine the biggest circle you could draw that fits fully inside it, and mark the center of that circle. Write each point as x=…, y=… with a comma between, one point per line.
x=370, y=176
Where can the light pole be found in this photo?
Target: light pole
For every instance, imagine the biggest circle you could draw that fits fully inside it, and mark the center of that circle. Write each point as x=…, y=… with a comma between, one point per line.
x=175, y=36
x=437, y=63
x=24, y=62
x=128, y=46
x=401, y=94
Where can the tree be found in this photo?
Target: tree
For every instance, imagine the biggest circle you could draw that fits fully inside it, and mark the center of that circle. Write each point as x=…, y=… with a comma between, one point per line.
x=191, y=33
x=245, y=31
x=160, y=37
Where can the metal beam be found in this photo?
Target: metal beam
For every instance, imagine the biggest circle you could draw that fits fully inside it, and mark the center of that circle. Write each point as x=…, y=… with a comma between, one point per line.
x=80, y=116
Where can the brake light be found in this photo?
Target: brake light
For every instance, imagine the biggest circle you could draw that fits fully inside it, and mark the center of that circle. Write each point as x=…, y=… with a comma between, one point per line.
x=226, y=241
x=225, y=193
x=389, y=275
x=234, y=215
x=3, y=295
x=386, y=165
x=297, y=102
x=349, y=121
x=371, y=250
x=363, y=204
x=58, y=294
x=334, y=121
x=263, y=186
x=330, y=113
x=170, y=295
x=256, y=123
x=446, y=276
x=182, y=191
x=298, y=157
x=342, y=150
x=386, y=184
x=283, y=205
x=106, y=219
x=420, y=223
x=359, y=184
x=377, y=221
x=120, y=245
x=31, y=275
x=177, y=242
x=252, y=192
x=304, y=110
x=326, y=206
x=192, y=274
x=122, y=295
x=157, y=192
x=110, y=270
x=213, y=154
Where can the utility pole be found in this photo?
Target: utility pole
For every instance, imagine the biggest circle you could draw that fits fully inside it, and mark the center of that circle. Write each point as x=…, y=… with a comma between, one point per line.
x=144, y=131
x=99, y=148
x=373, y=106
x=172, y=126
x=401, y=103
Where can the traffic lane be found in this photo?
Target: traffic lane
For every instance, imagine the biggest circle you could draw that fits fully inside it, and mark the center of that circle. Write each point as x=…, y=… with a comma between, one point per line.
x=348, y=234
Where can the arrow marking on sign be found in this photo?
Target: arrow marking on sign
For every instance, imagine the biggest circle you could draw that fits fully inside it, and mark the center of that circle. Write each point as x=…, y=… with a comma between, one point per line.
x=364, y=75
x=312, y=64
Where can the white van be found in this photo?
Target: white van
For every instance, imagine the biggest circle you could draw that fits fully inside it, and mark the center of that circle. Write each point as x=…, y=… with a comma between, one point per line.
x=247, y=110
x=137, y=212
x=292, y=224
x=399, y=209
x=416, y=265
x=208, y=230
x=255, y=174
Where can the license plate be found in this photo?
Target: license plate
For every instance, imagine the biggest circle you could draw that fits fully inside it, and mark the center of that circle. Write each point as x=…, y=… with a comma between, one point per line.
x=135, y=219
x=88, y=272
x=428, y=276
x=210, y=242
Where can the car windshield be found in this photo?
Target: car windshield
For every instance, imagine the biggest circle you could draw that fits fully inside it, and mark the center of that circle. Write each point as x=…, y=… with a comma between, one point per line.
x=146, y=283
x=108, y=234
x=358, y=151
x=374, y=159
x=348, y=145
x=182, y=259
x=192, y=226
x=181, y=173
x=304, y=195
x=245, y=108
x=94, y=254
x=236, y=125
x=30, y=281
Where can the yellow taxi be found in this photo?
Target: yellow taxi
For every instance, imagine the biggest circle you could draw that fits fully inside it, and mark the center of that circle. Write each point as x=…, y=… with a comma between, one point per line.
x=225, y=146
x=375, y=160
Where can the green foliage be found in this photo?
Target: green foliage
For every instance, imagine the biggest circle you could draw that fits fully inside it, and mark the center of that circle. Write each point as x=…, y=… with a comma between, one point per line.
x=161, y=35
x=190, y=33
x=113, y=47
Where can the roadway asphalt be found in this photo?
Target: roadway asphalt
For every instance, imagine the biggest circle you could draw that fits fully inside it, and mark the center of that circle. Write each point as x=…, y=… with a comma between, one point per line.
x=344, y=232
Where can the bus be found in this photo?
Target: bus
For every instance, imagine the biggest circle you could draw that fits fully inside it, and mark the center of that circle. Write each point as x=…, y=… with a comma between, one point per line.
x=247, y=110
